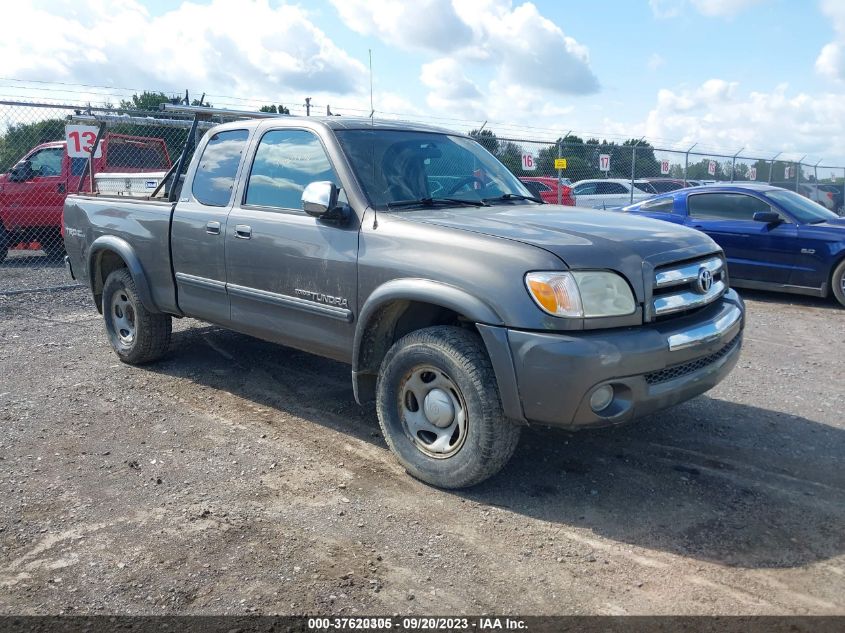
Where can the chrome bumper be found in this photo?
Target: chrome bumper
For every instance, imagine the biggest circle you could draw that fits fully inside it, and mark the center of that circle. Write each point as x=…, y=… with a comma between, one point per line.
x=725, y=326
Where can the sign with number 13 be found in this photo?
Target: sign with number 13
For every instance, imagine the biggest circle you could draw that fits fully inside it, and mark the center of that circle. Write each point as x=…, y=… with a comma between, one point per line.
x=80, y=139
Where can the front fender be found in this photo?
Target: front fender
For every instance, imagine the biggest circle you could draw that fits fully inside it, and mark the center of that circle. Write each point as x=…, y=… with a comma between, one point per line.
x=374, y=320
x=122, y=248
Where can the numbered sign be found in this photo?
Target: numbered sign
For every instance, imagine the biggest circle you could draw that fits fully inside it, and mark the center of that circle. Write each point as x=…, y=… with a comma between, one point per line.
x=711, y=168
x=664, y=167
x=604, y=162
x=560, y=163
x=529, y=163
x=80, y=139
x=752, y=173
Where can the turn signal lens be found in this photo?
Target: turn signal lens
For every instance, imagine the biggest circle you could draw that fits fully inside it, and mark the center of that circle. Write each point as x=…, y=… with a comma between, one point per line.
x=556, y=293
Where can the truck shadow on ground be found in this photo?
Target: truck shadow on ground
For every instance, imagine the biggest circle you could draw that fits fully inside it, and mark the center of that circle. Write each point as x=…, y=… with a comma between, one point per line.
x=712, y=480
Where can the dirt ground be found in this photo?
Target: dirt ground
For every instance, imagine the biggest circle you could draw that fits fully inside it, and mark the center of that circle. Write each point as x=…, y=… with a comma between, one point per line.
x=241, y=477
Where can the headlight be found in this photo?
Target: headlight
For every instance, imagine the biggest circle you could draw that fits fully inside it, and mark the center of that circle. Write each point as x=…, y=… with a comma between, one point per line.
x=581, y=294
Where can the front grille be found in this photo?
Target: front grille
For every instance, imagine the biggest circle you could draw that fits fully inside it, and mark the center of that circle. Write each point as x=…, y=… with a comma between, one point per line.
x=686, y=286
x=676, y=371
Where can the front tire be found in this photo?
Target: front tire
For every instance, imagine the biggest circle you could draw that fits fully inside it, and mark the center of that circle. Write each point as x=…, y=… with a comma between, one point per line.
x=4, y=243
x=137, y=335
x=439, y=408
x=837, y=282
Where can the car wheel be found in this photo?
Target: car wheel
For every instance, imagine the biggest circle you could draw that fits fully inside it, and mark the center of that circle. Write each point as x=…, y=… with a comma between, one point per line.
x=439, y=408
x=137, y=335
x=837, y=282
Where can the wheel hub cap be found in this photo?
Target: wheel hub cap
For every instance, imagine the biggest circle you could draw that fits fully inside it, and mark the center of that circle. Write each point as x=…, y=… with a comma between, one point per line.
x=438, y=408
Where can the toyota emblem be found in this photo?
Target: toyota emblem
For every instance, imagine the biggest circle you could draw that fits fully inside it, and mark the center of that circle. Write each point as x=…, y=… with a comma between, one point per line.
x=705, y=281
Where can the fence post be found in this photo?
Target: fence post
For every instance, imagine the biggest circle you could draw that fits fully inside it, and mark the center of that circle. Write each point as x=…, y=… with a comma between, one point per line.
x=733, y=165
x=772, y=166
x=686, y=163
x=798, y=172
x=634, y=166
x=559, y=175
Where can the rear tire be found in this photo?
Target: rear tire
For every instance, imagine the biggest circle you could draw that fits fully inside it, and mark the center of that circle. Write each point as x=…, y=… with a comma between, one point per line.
x=137, y=335
x=837, y=282
x=439, y=408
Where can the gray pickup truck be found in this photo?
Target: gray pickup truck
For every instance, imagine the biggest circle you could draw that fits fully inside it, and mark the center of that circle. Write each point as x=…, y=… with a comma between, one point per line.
x=465, y=307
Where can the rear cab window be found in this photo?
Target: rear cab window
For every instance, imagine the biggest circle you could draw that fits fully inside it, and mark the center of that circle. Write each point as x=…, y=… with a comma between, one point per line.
x=217, y=168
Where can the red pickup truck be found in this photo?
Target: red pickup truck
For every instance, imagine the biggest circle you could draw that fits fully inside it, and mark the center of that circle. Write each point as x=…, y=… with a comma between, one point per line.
x=32, y=193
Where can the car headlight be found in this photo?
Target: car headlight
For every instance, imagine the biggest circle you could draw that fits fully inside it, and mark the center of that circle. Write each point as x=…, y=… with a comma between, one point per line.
x=581, y=294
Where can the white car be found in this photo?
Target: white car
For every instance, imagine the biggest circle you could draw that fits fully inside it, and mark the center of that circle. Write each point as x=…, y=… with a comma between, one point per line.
x=604, y=193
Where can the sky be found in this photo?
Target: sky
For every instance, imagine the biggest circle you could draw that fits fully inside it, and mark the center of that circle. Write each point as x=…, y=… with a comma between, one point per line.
x=765, y=75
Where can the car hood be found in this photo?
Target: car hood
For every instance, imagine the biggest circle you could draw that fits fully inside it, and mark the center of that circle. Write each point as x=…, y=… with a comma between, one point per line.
x=582, y=238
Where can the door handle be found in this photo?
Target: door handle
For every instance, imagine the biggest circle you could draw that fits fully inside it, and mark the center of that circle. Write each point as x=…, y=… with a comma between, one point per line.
x=62, y=187
x=243, y=231
x=213, y=228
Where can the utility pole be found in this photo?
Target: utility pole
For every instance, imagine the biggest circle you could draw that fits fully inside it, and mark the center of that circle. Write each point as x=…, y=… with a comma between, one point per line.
x=307, y=106
x=686, y=162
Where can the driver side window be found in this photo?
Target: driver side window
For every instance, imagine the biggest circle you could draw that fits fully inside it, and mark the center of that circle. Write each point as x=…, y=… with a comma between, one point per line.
x=47, y=162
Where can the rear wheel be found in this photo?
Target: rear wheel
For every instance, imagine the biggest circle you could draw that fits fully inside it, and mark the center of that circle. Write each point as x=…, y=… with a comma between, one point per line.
x=137, y=335
x=837, y=282
x=439, y=408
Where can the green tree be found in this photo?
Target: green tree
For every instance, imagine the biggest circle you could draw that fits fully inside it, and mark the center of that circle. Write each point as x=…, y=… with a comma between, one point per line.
x=21, y=138
x=149, y=101
x=487, y=139
x=280, y=109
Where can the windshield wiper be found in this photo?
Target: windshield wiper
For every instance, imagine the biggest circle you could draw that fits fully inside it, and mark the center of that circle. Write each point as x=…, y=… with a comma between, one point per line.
x=513, y=196
x=431, y=202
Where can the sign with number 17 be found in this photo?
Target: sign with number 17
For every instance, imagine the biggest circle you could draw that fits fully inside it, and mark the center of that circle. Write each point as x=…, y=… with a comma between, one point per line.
x=604, y=162
x=80, y=139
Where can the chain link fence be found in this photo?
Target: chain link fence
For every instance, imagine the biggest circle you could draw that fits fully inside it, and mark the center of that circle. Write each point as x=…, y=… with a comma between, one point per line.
x=44, y=156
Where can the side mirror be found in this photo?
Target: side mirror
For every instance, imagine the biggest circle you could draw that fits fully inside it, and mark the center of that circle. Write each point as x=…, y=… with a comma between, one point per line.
x=768, y=217
x=21, y=172
x=319, y=200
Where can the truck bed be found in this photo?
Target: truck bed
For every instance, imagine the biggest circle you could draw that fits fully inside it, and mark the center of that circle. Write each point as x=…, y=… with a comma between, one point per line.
x=142, y=222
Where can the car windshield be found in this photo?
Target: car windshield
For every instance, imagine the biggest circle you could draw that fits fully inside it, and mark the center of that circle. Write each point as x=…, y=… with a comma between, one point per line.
x=400, y=169
x=805, y=211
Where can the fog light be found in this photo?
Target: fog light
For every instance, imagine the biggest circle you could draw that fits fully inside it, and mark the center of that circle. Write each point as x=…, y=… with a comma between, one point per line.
x=601, y=398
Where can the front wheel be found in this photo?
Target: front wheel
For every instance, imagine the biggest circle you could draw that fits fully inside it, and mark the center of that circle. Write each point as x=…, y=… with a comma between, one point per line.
x=137, y=335
x=439, y=409
x=837, y=281
x=4, y=243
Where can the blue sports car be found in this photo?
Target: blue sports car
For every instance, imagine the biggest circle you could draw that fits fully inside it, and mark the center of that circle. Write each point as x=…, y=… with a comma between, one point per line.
x=774, y=239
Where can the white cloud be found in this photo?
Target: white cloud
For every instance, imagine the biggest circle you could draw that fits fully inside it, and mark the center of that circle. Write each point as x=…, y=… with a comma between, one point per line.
x=665, y=9
x=723, y=8
x=516, y=44
x=228, y=47
x=717, y=114
x=831, y=59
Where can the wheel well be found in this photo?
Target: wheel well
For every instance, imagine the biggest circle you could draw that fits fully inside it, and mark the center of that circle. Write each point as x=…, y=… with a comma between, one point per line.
x=392, y=321
x=104, y=265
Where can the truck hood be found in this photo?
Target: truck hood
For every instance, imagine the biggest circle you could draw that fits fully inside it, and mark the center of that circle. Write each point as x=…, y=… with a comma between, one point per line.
x=582, y=238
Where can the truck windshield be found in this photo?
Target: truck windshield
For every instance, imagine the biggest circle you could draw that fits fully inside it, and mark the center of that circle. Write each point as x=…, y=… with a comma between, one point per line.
x=805, y=211
x=400, y=166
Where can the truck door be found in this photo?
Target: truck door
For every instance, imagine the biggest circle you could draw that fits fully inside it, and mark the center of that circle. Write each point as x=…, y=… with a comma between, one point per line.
x=292, y=278
x=199, y=227
x=38, y=201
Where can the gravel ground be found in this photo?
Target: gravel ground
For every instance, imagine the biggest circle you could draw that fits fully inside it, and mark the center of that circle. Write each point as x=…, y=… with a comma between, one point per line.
x=237, y=476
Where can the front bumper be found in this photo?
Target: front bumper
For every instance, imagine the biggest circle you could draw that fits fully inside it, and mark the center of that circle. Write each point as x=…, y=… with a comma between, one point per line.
x=650, y=367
